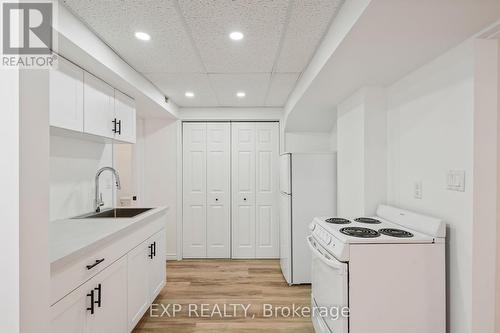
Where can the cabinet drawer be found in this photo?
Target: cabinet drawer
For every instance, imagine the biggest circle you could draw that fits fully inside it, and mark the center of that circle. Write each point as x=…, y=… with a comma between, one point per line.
x=73, y=275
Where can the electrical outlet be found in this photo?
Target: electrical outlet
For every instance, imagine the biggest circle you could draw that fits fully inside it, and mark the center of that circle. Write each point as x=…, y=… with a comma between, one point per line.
x=418, y=190
x=455, y=180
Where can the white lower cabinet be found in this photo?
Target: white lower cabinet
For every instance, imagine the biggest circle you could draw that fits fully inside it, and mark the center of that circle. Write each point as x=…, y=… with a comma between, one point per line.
x=98, y=306
x=146, y=276
x=157, y=271
x=116, y=298
x=138, y=290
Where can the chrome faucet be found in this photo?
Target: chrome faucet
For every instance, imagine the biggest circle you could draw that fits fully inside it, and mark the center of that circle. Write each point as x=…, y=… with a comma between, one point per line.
x=98, y=196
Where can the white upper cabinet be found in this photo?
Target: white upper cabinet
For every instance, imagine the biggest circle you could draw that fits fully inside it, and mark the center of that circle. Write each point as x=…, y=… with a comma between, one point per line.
x=82, y=102
x=125, y=118
x=66, y=96
x=99, y=109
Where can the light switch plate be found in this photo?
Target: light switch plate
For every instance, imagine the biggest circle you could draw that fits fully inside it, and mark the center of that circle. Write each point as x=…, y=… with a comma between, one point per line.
x=418, y=190
x=455, y=180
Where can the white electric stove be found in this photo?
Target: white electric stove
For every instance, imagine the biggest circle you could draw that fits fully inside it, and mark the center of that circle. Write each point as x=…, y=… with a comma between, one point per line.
x=388, y=270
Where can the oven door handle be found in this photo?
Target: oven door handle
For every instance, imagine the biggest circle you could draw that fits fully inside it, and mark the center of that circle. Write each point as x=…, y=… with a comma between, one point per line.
x=332, y=262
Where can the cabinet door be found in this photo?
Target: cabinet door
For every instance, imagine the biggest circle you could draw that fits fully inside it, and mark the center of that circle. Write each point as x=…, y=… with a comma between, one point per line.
x=194, y=229
x=98, y=107
x=243, y=180
x=66, y=96
x=218, y=190
x=111, y=315
x=70, y=313
x=125, y=116
x=157, y=265
x=266, y=190
x=138, y=289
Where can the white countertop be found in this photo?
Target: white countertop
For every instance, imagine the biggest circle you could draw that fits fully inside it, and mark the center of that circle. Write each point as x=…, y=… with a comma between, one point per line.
x=72, y=236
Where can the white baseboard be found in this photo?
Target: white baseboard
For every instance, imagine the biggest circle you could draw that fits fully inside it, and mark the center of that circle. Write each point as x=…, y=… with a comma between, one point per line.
x=171, y=256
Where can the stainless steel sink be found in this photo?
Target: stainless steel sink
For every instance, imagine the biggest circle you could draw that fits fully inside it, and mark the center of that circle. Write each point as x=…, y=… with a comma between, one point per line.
x=115, y=213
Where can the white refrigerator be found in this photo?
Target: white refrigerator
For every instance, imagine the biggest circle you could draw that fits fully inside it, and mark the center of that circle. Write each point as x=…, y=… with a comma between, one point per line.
x=308, y=188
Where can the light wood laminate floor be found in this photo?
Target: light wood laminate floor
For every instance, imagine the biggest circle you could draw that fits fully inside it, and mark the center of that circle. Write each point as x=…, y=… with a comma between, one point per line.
x=217, y=283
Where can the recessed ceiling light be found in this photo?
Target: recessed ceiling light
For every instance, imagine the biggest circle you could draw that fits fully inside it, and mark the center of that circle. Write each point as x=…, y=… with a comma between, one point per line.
x=189, y=94
x=241, y=94
x=142, y=35
x=236, y=35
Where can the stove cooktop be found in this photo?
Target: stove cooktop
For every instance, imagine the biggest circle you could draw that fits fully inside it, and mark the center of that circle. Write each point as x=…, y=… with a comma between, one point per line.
x=337, y=220
x=360, y=232
x=395, y=233
x=367, y=220
x=370, y=230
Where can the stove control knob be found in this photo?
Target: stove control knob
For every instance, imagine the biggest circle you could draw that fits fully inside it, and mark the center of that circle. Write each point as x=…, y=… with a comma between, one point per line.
x=328, y=240
x=312, y=226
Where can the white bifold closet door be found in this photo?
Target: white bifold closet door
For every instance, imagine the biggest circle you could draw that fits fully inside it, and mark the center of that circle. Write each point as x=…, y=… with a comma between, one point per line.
x=255, y=188
x=206, y=190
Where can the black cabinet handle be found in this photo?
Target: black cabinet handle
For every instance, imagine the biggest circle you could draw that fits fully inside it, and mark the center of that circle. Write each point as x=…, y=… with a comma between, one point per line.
x=244, y=199
x=119, y=127
x=91, y=308
x=150, y=255
x=98, y=289
x=114, y=125
x=216, y=199
x=97, y=262
x=154, y=249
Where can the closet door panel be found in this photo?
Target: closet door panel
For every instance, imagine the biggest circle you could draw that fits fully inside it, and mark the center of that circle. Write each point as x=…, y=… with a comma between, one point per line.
x=243, y=181
x=267, y=190
x=194, y=190
x=218, y=190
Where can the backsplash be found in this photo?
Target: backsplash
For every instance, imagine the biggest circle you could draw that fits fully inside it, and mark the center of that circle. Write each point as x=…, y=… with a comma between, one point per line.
x=73, y=165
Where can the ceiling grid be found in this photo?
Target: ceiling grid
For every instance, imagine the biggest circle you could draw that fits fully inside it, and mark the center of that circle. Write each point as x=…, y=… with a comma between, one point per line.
x=190, y=48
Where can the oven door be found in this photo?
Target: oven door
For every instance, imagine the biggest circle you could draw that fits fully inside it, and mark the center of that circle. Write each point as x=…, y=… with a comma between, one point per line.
x=329, y=290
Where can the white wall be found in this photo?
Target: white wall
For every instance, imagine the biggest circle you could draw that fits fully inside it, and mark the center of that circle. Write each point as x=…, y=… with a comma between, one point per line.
x=157, y=149
x=307, y=142
x=350, y=162
x=486, y=276
x=362, y=152
x=9, y=200
x=430, y=131
x=34, y=268
x=228, y=113
x=333, y=138
x=124, y=164
x=73, y=166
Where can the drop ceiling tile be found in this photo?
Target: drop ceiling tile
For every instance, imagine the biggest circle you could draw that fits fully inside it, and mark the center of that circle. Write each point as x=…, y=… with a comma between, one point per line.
x=261, y=21
x=116, y=21
x=174, y=85
x=308, y=23
x=254, y=85
x=280, y=88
